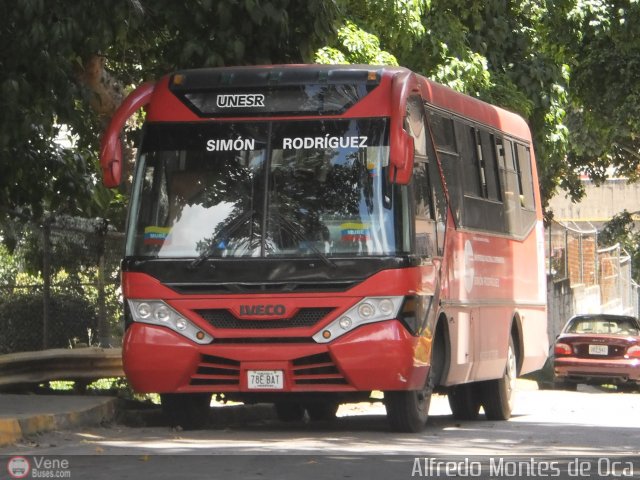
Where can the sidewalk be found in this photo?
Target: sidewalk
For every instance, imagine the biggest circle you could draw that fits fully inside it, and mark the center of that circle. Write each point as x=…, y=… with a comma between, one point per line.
x=25, y=415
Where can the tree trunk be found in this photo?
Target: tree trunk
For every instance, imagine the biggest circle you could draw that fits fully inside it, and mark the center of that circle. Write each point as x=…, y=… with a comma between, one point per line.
x=106, y=93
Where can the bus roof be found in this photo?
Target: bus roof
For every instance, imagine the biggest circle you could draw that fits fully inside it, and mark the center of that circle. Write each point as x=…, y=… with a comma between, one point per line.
x=247, y=77
x=448, y=99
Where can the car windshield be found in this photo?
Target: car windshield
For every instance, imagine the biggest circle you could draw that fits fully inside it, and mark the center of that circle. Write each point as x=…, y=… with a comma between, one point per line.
x=604, y=325
x=266, y=189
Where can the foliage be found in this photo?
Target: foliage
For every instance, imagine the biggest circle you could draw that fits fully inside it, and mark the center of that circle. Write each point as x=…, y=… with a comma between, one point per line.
x=358, y=47
x=72, y=320
x=45, y=68
x=9, y=268
x=368, y=24
x=604, y=84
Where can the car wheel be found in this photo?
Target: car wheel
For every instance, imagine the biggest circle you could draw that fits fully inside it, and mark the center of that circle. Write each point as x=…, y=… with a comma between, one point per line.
x=568, y=386
x=628, y=387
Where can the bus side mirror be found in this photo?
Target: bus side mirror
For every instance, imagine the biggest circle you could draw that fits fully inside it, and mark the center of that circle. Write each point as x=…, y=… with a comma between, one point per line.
x=111, y=160
x=401, y=156
x=110, y=145
x=401, y=146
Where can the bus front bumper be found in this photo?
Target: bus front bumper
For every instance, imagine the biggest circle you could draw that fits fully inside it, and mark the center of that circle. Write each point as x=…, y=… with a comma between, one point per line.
x=379, y=356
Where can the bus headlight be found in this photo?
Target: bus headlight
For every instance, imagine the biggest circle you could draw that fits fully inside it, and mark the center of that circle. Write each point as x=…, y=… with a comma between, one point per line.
x=156, y=312
x=144, y=310
x=368, y=310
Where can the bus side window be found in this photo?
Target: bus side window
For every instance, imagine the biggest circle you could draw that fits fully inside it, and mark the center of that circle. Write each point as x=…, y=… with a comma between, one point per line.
x=425, y=226
x=414, y=125
x=424, y=216
x=475, y=179
x=482, y=178
x=444, y=138
x=494, y=188
x=507, y=163
x=525, y=179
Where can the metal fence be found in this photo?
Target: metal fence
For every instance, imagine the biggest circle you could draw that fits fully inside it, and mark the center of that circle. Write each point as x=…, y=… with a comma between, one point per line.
x=63, y=290
x=619, y=293
x=572, y=253
x=598, y=278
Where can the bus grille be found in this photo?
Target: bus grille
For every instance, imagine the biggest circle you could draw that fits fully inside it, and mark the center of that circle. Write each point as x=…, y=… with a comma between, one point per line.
x=214, y=370
x=317, y=369
x=305, y=317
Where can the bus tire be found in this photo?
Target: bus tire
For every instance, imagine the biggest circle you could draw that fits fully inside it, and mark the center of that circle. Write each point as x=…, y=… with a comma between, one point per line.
x=289, y=411
x=322, y=411
x=497, y=395
x=465, y=401
x=408, y=411
x=190, y=411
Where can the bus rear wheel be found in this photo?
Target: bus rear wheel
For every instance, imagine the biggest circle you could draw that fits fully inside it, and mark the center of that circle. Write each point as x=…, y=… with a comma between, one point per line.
x=497, y=395
x=464, y=401
x=190, y=411
x=289, y=411
x=322, y=411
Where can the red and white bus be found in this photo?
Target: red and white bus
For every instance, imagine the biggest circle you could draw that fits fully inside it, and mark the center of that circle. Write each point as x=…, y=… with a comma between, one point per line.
x=308, y=234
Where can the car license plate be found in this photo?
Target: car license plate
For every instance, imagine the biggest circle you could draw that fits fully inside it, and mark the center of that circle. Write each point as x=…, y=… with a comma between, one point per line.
x=598, y=350
x=265, y=379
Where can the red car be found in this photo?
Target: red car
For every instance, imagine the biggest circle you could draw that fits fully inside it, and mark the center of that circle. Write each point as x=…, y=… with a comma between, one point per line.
x=598, y=349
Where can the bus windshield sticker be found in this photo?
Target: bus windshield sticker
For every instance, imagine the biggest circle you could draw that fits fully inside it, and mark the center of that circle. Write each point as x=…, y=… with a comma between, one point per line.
x=155, y=235
x=354, y=232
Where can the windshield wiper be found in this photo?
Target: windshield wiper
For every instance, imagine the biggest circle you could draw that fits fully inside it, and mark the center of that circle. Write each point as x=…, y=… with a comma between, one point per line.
x=290, y=227
x=225, y=232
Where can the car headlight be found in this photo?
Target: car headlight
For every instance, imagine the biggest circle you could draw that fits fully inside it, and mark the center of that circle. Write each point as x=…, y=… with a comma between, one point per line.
x=368, y=310
x=156, y=312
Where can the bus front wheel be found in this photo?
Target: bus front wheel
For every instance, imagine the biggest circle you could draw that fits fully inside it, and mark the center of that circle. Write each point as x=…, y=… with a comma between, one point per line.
x=190, y=411
x=407, y=411
x=497, y=395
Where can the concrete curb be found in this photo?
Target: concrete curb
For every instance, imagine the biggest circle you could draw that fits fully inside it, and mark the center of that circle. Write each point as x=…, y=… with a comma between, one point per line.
x=93, y=412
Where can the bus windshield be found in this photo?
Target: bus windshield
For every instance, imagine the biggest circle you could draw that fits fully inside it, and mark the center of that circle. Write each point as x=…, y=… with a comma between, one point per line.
x=266, y=189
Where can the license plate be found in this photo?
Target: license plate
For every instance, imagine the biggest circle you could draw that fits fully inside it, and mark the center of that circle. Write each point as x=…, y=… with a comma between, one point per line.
x=265, y=379
x=598, y=350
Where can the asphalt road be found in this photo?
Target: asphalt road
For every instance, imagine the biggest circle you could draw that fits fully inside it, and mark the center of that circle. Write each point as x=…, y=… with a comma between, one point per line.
x=586, y=434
